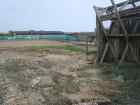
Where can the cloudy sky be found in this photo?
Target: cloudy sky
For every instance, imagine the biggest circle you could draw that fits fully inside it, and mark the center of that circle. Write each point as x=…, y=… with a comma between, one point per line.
x=65, y=15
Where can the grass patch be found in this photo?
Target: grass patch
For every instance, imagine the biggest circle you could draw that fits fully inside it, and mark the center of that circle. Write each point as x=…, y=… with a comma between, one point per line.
x=92, y=52
x=70, y=48
x=130, y=88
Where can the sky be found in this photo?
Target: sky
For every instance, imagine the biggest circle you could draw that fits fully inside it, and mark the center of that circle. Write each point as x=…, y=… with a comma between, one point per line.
x=63, y=15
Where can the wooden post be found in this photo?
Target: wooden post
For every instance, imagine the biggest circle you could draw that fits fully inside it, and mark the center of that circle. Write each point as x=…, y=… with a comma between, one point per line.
x=87, y=50
x=100, y=42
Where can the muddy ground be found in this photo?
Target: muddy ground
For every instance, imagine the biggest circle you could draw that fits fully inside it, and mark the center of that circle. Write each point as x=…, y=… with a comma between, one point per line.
x=52, y=77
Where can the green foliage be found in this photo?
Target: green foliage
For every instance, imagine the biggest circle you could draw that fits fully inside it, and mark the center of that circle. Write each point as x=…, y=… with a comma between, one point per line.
x=128, y=71
x=73, y=48
x=131, y=85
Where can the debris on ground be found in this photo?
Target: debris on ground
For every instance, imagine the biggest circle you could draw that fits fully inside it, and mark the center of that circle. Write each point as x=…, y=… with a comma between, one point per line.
x=32, y=78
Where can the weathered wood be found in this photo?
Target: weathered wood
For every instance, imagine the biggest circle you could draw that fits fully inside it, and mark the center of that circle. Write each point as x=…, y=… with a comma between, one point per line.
x=100, y=41
x=128, y=44
x=104, y=53
x=135, y=28
x=122, y=3
x=122, y=36
x=123, y=13
x=133, y=52
x=119, y=19
x=124, y=54
x=107, y=43
x=121, y=42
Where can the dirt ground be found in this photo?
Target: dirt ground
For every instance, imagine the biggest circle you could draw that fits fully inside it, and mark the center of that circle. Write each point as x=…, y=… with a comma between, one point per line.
x=51, y=77
x=22, y=43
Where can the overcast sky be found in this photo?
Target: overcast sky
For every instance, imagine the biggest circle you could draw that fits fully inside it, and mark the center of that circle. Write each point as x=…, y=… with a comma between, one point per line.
x=65, y=15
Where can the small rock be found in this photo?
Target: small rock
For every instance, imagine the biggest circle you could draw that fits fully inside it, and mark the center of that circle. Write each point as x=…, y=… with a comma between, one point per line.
x=35, y=81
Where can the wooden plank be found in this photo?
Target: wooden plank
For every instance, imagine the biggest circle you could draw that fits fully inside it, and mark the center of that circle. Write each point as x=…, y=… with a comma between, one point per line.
x=116, y=49
x=122, y=3
x=123, y=54
x=123, y=17
x=129, y=46
x=133, y=53
x=123, y=14
x=100, y=42
x=135, y=28
x=104, y=53
x=122, y=35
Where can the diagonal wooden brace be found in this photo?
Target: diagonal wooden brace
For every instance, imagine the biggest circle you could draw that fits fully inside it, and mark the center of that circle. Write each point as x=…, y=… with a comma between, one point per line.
x=104, y=53
x=128, y=46
x=124, y=54
x=108, y=43
x=107, y=47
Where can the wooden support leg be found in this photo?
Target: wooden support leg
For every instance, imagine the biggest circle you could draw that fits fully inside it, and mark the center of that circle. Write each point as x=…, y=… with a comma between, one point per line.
x=107, y=46
x=87, y=48
x=124, y=54
x=104, y=53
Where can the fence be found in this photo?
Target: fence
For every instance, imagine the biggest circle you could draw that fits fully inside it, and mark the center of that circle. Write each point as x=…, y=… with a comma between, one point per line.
x=40, y=37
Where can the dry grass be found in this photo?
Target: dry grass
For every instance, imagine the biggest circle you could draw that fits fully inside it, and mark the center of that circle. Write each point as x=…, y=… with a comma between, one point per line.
x=30, y=77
